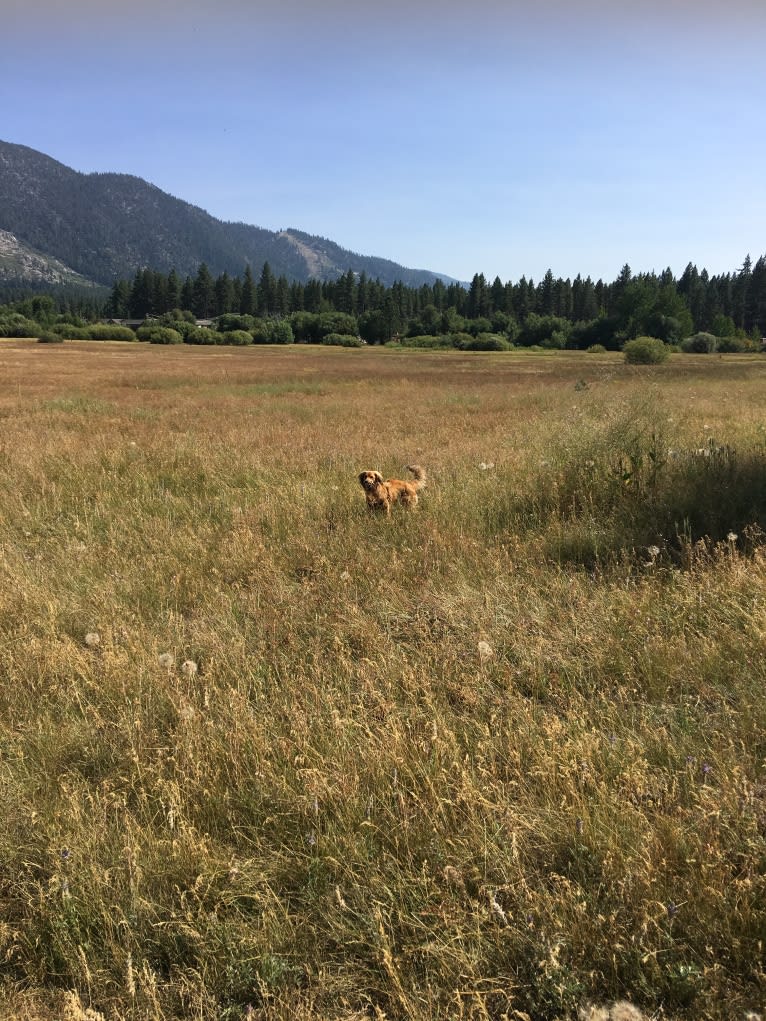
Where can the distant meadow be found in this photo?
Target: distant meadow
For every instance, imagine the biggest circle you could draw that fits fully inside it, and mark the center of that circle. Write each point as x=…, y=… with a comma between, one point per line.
x=264, y=755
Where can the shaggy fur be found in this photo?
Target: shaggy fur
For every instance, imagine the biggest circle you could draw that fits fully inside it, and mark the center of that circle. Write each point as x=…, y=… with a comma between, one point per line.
x=383, y=494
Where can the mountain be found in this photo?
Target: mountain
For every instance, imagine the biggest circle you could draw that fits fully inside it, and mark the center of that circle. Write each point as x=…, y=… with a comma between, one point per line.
x=106, y=226
x=19, y=262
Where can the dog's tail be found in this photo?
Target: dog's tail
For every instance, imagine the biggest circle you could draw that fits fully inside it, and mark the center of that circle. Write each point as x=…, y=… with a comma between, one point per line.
x=419, y=473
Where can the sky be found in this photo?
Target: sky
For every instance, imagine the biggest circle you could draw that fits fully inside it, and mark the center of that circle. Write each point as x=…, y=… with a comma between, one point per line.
x=502, y=137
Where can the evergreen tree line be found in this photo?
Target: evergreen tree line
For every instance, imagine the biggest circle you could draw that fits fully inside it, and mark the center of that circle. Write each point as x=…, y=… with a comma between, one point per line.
x=561, y=312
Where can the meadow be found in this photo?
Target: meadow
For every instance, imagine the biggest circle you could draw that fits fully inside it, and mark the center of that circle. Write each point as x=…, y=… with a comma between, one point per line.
x=264, y=755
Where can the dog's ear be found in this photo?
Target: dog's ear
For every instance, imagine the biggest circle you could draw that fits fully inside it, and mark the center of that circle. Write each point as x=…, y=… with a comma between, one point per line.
x=362, y=476
x=378, y=476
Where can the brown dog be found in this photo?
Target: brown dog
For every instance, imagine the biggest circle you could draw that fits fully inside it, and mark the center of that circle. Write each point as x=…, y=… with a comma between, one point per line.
x=382, y=495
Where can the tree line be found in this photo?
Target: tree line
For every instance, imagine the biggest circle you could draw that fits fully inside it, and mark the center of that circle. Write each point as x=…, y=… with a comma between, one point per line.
x=561, y=312
x=552, y=312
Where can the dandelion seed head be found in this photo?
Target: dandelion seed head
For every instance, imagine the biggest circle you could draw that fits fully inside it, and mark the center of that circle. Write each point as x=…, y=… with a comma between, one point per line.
x=166, y=660
x=624, y=1011
x=189, y=668
x=92, y=639
x=732, y=537
x=485, y=650
x=653, y=551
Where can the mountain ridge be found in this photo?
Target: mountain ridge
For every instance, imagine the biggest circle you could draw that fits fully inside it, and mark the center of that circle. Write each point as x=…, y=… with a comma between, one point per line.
x=103, y=226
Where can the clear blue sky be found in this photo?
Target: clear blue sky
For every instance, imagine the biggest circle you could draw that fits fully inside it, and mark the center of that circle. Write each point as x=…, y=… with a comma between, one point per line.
x=490, y=136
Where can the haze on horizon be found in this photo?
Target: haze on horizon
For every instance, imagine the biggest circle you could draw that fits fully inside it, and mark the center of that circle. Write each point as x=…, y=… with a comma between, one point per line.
x=504, y=138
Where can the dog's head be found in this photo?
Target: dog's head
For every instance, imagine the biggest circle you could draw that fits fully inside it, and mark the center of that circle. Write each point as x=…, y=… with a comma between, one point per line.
x=370, y=480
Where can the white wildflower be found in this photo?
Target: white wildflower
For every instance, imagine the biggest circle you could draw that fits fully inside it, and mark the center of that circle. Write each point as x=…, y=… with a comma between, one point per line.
x=189, y=668
x=732, y=537
x=345, y=576
x=653, y=551
x=498, y=909
x=166, y=660
x=485, y=651
x=485, y=466
x=92, y=639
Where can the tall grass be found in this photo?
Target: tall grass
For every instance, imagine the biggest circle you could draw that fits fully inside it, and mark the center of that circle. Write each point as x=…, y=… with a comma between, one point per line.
x=263, y=755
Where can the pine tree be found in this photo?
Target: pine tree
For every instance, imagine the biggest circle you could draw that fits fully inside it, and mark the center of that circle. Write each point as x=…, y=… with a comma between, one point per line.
x=267, y=291
x=224, y=295
x=119, y=299
x=497, y=296
x=282, y=297
x=546, y=295
x=248, y=304
x=204, y=293
x=187, y=295
x=478, y=298
x=174, y=290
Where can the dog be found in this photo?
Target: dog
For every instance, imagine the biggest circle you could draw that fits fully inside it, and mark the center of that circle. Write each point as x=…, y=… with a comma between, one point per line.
x=382, y=494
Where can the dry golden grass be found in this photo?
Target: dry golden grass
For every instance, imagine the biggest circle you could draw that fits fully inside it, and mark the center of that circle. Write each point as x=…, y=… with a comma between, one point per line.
x=262, y=755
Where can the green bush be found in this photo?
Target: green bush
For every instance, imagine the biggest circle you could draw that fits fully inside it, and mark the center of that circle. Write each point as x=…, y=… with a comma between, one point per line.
x=203, y=335
x=159, y=335
x=272, y=331
x=556, y=342
x=68, y=331
x=427, y=340
x=49, y=337
x=596, y=349
x=18, y=326
x=485, y=342
x=109, y=331
x=732, y=345
x=233, y=323
x=342, y=340
x=544, y=329
x=240, y=338
x=281, y=332
x=699, y=344
x=645, y=351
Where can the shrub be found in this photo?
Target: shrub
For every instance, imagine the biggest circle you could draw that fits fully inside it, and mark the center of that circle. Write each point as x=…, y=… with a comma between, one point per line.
x=337, y=322
x=18, y=326
x=238, y=337
x=732, y=345
x=699, y=344
x=232, y=322
x=108, y=331
x=556, y=342
x=203, y=335
x=281, y=332
x=596, y=349
x=539, y=329
x=485, y=342
x=343, y=340
x=68, y=331
x=159, y=335
x=645, y=351
x=305, y=326
x=427, y=340
x=49, y=337
x=272, y=331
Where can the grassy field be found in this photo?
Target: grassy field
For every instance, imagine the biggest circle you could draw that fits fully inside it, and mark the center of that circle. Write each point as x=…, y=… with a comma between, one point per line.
x=263, y=755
